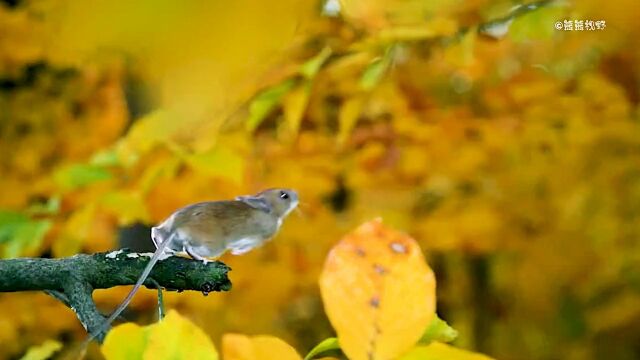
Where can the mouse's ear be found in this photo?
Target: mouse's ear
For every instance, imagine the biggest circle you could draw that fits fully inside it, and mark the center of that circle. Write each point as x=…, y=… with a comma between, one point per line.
x=255, y=202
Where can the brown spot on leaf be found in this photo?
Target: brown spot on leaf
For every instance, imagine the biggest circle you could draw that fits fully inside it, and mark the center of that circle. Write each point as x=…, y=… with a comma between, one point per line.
x=377, y=330
x=372, y=348
x=360, y=251
x=375, y=302
x=398, y=248
x=379, y=269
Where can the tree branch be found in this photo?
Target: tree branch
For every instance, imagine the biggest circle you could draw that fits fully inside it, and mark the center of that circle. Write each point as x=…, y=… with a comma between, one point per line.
x=72, y=280
x=497, y=28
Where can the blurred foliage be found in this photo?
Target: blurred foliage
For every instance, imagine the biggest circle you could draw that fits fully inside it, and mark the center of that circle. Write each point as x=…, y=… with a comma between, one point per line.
x=362, y=283
x=510, y=153
x=42, y=352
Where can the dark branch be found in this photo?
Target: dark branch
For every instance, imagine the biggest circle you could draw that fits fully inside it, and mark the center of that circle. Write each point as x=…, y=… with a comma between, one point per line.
x=72, y=280
x=498, y=27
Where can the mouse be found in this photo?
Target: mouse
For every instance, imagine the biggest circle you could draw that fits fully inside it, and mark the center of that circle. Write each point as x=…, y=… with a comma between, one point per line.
x=206, y=230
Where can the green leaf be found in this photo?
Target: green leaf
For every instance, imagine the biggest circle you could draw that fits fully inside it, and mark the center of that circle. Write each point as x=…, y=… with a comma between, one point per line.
x=325, y=345
x=310, y=68
x=78, y=175
x=10, y=221
x=51, y=207
x=23, y=235
x=438, y=330
x=538, y=24
x=19, y=232
x=265, y=102
x=571, y=319
x=108, y=157
x=376, y=70
x=372, y=74
x=42, y=352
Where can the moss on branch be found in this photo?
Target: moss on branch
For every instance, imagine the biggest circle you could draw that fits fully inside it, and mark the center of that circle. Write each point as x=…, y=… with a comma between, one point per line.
x=72, y=280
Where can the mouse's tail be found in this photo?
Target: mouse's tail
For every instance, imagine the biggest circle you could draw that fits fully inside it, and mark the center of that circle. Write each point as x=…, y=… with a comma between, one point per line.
x=147, y=270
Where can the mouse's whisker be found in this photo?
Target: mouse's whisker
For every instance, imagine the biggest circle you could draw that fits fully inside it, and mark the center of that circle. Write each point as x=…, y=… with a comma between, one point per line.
x=303, y=204
x=300, y=213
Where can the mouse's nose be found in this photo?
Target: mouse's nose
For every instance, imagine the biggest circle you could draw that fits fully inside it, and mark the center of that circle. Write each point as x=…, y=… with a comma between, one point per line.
x=294, y=196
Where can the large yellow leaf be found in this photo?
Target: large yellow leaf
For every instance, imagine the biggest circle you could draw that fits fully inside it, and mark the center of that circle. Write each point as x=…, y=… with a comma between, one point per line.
x=173, y=338
x=127, y=341
x=378, y=292
x=262, y=347
x=440, y=351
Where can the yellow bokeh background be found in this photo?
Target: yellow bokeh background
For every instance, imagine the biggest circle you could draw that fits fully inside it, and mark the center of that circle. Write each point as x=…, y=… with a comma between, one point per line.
x=514, y=162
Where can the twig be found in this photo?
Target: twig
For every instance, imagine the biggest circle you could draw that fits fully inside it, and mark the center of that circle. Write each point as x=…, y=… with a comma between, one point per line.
x=160, y=301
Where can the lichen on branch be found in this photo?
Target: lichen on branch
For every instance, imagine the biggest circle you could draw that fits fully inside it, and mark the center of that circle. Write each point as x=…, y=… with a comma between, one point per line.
x=72, y=280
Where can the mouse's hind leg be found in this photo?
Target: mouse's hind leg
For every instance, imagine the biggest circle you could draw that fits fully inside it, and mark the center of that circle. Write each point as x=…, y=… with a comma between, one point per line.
x=203, y=253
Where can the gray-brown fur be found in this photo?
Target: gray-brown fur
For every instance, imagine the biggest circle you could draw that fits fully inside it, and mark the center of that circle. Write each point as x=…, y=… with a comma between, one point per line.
x=206, y=230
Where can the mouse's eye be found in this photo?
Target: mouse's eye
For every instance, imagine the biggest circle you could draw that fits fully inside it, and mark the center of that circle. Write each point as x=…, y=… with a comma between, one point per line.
x=284, y=195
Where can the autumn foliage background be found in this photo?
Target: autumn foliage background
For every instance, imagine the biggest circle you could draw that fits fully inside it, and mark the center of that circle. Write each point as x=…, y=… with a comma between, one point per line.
x=512, y=158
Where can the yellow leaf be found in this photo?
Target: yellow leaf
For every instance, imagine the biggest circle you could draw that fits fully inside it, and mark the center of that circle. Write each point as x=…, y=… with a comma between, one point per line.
x=173, y=338
x=348, y=117
x=385, y=14
x=440, y=351
x=261, y=347
x=77, y=228
x=378, y=292
x=126, y=341
x=431, y=29
x=462, y=53
x=158, y=127
x=128, y=206
x=219, y=162
x=160, y=168
x=294, y=104
x=177, y=338
x=42, y=352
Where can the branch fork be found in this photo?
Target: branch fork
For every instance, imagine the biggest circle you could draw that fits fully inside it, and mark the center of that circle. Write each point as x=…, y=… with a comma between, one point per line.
x=72, y=280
